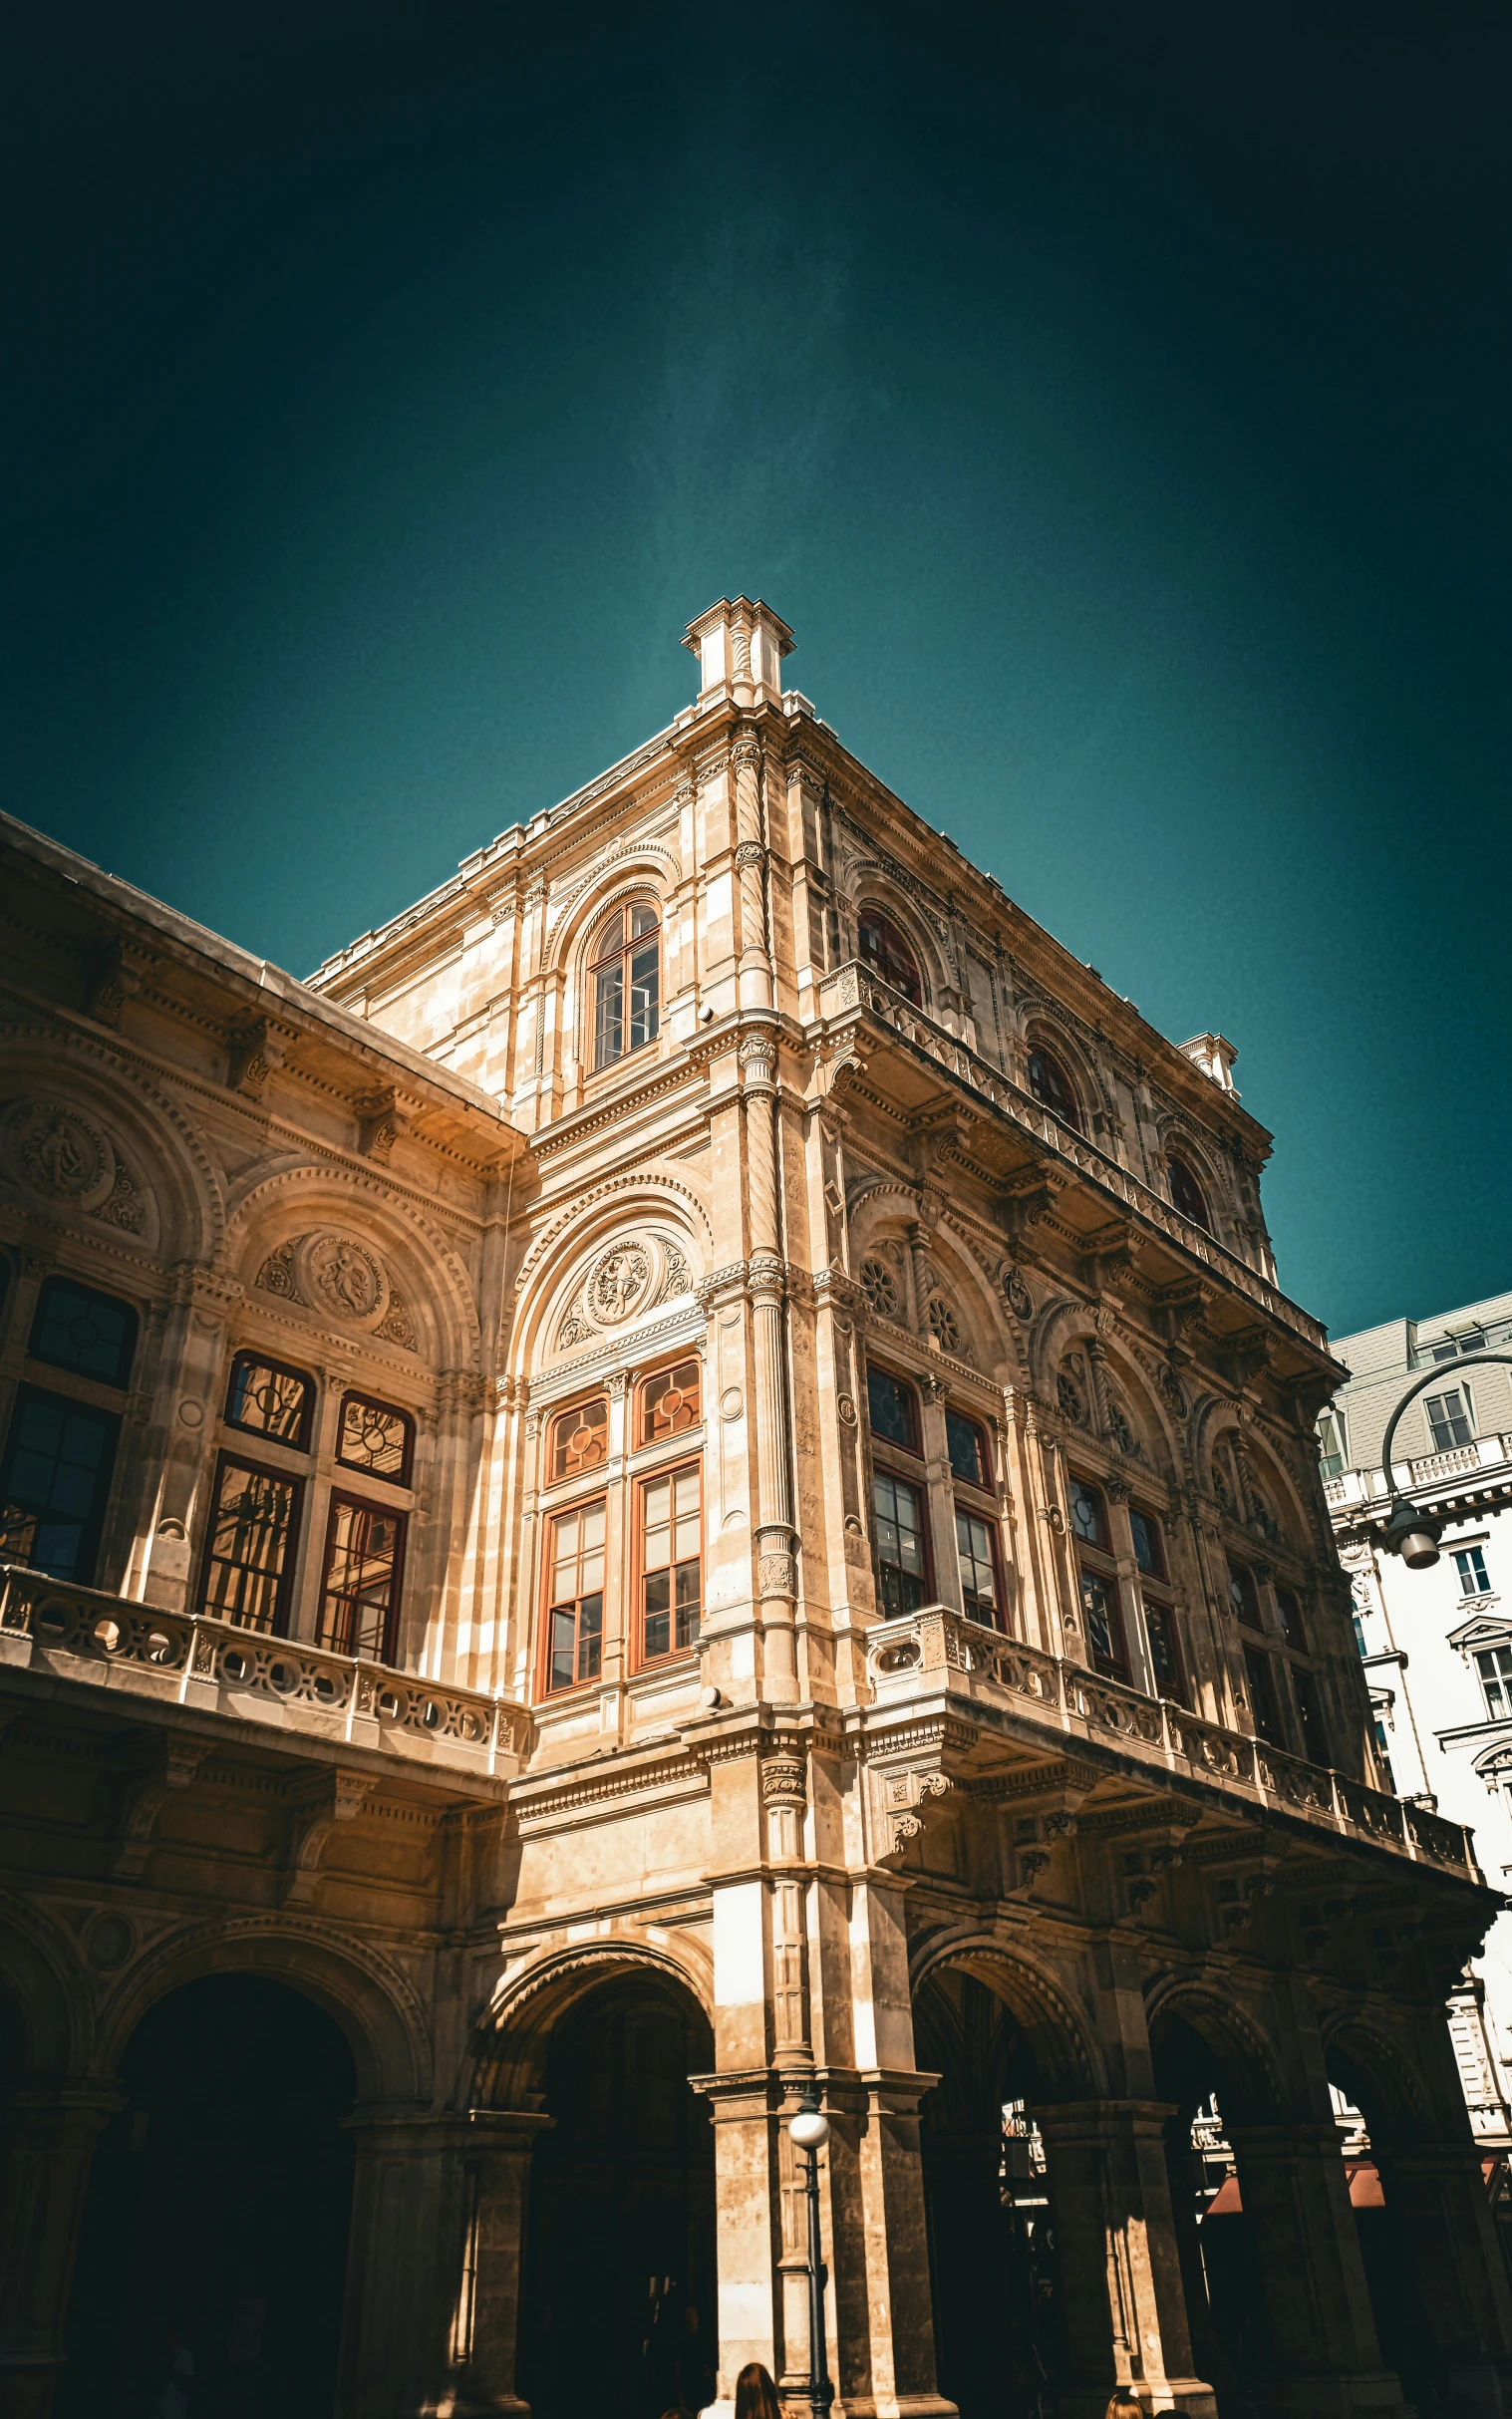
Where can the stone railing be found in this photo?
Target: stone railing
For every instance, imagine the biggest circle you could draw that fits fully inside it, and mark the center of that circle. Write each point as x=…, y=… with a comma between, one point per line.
x=1428, y=1471
x=854, y=987
x=937, y=1647
x=214, y=1667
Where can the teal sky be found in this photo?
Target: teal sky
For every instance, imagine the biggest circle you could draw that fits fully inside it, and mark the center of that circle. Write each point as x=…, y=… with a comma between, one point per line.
x=1114, y=403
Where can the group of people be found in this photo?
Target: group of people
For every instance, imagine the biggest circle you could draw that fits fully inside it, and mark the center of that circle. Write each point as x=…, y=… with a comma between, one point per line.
x=756, y=2397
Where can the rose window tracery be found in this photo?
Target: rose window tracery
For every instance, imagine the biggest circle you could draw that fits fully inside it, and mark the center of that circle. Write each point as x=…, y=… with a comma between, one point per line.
x=943, y=1325
x=1071, y=1399
x=880, y=1288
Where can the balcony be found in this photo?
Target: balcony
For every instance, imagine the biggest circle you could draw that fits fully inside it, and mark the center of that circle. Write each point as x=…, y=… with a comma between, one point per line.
x=854, y=991
x=291, y=1694
x=1427, y=1476
x=937, y=1651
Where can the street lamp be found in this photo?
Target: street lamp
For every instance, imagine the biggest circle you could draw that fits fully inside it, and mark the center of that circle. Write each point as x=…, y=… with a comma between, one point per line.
x=1410, y=1531
x=809, y=2130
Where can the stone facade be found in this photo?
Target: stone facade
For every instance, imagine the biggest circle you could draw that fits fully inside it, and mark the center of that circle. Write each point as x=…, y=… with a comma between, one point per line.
x=826, y=1579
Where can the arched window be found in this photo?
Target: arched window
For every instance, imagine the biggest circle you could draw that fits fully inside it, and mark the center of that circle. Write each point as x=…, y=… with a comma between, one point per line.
x=376, y=1436
x=893, y=1408
x=1187, y=1194
x=624, y=973
x=268, y=1400
x=1049, y=1083
x=76, y=1329
x=670, y=1402
x=580, y=1438
x=885, y=951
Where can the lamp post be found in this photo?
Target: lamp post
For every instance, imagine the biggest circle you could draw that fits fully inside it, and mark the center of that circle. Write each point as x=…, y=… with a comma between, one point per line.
x=1410, y=1531
x=809, y=2130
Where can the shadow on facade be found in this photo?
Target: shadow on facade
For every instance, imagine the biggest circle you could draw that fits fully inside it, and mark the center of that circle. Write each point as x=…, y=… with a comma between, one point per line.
x=619, y=2307
x=219, y=2203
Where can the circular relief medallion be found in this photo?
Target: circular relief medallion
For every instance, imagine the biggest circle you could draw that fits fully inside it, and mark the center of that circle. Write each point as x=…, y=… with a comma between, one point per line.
x=620, y=1283
x=340, y=1275
x=109, y=1942
x=732, y=1403
x=58, y=1152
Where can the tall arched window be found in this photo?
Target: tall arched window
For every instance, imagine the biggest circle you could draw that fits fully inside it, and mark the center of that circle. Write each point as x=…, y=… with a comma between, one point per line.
x=885, y=951
x=1050, y=1086
x=1187, y=1194
x=624, y=974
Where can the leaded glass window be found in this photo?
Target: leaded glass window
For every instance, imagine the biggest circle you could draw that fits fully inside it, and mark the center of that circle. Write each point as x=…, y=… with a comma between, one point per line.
x=670, y=1402
x=78, y=1328
x=376, y=1437
x=893, y=1410
x=270, y=1400
x=359, y=1603
x=251, y=1557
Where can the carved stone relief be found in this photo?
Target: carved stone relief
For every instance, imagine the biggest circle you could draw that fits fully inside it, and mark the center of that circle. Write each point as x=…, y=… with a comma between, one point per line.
x=61, y=1153
x=634, y=1273
x=344, y=1280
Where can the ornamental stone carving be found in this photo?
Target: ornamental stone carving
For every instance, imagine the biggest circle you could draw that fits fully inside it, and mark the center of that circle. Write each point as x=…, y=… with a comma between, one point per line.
x=635, y=1274
x=1016, y=1292
x=60, y=1153
x=338, y=1274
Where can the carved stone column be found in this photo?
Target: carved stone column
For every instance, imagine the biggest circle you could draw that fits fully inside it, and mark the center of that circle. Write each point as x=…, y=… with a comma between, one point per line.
x=1318, y=2304
x=775, y=1579
x=47, y=2132
x=1123, y=2304
x=1438, y=2198
x=755, y=964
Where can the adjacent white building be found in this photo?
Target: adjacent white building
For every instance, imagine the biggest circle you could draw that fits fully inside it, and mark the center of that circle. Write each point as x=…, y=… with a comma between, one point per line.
x=1437, y=1644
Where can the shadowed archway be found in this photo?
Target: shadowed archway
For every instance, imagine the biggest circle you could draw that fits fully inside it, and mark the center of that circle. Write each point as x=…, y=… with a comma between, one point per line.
x=219, y=2205
x=620, y=2266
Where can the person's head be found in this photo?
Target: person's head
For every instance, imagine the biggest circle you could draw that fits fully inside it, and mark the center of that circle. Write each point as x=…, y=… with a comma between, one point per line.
x=1123, y=2406
x=756, y=2397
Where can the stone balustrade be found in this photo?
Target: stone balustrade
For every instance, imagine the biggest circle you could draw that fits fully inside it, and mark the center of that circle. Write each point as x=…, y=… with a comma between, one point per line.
x=215, y=1667
x=935, y=1647
x=1368, y=1486
x=854, y=987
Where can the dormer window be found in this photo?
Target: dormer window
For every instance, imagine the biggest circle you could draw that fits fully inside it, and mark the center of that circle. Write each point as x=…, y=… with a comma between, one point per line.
x=624, y=975
x=1050, y=1086
x=1187, y=1194
x=884, y=950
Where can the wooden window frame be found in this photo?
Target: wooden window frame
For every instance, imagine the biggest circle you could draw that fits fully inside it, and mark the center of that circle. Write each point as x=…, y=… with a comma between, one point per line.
x=54, y=1282
x=545, y=1690
x=665, y=1472
x=642, y=1443
x=250, y=1355
x=1201, y=1215
x=917, y=1485
x=962, y=1504
x=898, y=940
x=588, y=1470
x=92, y=1530
x=1160, y=1577
x=391, y=1410
x=1076, y=1121
x=596, y=964
x=1102, y=1544
x=285, y=1589
x=361, y=1503
x=1239, y=1572
x=1258, y=1658
x=890, y=1445
x=984, y=1486
x=1152, y=1601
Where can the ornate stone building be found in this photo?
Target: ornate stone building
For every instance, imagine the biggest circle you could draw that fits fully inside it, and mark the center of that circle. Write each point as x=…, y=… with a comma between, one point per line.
x=684, y=1474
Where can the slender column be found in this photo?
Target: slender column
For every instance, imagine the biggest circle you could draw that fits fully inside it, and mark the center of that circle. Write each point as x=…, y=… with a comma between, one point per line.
x=1318, y=2304
x=47, y=2133
x=776, y=1577
x=755, y=988
x=1125, y=2320
x=1439, y=2202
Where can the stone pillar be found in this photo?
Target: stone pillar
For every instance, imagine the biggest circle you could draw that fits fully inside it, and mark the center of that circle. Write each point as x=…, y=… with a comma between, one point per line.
x=47, y=2132
x=484, y=2346
x=1438, y=2198
x=1318, y=2304
x=776, y=1583
x=433, y=2271
x=754, y=977
x=1123, y=2306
